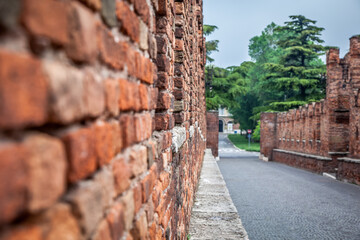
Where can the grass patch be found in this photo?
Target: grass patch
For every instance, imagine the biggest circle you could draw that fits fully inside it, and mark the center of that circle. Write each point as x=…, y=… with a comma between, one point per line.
x=241, y=142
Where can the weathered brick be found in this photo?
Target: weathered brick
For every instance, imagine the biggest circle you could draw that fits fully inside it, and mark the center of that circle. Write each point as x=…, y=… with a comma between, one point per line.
x=105, y=178
x=179, y=45
x=115, y=219
x=143, y=126
x=154, y=97
x=179, y=8
x=140, y=229
x=87, y=201
x=66, y=92
x=154, y=232
x=144, y=36
x=9, y=14
x=142, y=8
x=152, y=153
x=144, y=97
x=23, y=232
x=166, y=219
x=149, y=209
x=178, y=94
x=147, y=119
x=128, y=129
x=129, y=95
x=165, y=180
x=163, y=121
x=14, y=179
x=122, y=173
x=49, y=19
x=162, y=44
x=112, y=91
x=130, y=23
x=112, y=52
x=166, y=157
x=164, y=101
x=138, y=160
x=162, y=81
x=94, y=4
x=103, y=142
x=82, y=29
x=102, y=232
x=116, y=134
x=81, y=153
x=108, y=12
x=55, y=223
x=59, y=223
x=163, y=7
x=139, y=128
x=137, y=198
x=46, y=168
x=156, y=194
x=140, y=67
x=23, y=91
x=147, y=184
x=129, y=209
x=94, y=95
x=179, y=32
x=179, y=82
x=163, y=63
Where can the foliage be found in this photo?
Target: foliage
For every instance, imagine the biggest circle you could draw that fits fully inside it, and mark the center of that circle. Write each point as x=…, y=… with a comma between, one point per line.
x=223, y=86
x=299, y=74
x=211, y=45
x=242, y=142
x=226, y=85
x=256, y=134
x=285, y=72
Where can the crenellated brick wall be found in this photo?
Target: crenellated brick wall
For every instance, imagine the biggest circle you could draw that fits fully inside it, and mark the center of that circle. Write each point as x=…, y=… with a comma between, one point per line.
x=321, y=136
x=102, y=118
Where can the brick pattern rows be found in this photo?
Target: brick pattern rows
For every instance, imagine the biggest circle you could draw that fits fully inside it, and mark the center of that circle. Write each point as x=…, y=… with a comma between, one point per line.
x=327, y=128
x=90, y=91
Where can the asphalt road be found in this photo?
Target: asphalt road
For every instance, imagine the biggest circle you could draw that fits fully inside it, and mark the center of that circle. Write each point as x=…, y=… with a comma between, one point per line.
x=276, y=201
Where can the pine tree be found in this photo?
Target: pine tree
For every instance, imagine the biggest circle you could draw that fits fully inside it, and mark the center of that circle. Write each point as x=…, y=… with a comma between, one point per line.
x=300, y=73
x=210, y=45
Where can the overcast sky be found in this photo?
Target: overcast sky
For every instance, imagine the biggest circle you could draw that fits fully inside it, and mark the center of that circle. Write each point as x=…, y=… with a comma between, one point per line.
x=240, y=20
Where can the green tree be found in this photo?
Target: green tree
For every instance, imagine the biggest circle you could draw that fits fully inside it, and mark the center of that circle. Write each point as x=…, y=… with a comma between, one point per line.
x=299, y=75
x=211, y=45
x=226, y=85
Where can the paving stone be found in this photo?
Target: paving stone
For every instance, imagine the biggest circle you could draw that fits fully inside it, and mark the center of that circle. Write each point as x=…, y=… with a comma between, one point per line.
x=214, y=215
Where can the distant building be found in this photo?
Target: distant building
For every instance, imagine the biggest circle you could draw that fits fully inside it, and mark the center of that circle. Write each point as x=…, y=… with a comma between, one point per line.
x=226, y=122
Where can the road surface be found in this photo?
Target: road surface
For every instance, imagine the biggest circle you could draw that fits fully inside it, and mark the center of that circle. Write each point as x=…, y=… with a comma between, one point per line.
x=276, y=201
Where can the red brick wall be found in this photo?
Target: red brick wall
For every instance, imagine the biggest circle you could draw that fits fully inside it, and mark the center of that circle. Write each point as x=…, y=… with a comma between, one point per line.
x=329, y=128
x=92, y=95
x=212, y=132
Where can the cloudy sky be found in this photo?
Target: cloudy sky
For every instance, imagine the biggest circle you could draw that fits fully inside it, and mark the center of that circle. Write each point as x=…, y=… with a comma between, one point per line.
x=240, y=20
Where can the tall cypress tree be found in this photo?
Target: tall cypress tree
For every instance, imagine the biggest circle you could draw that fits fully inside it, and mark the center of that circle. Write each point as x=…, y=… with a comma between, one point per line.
x=300, y=73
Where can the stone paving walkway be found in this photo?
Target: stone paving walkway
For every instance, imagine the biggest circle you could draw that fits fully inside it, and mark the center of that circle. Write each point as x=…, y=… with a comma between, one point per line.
x=214, y=215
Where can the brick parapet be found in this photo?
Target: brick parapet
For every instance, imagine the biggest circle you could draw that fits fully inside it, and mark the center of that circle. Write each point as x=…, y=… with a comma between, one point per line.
x=328, y=128
x=92, y=93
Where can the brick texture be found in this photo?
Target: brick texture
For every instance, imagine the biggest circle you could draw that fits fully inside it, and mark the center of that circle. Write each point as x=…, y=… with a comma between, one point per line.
x=328, y=128
x=88, y=105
